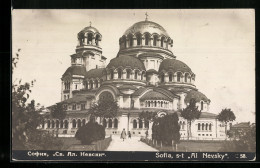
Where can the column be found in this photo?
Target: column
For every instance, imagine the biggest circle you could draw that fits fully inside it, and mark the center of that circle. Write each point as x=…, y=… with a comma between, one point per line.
x=127, y=43
x=166, y=77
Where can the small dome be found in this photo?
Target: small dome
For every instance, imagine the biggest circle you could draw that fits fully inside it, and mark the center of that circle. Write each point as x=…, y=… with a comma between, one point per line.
x=126, y=62
x=198, y=96
x=89, y=29
x=75, y=70
x=96, y=73
x=146, y=27
x=174, y=65
x=153, y=95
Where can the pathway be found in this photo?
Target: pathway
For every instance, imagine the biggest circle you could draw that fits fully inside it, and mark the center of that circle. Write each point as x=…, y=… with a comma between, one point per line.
x=133, y=144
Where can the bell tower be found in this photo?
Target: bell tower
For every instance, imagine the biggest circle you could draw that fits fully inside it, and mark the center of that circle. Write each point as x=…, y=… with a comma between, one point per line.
x=89, y=48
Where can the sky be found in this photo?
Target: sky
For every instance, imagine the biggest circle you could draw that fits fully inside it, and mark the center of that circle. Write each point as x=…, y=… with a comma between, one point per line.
x=217, y=44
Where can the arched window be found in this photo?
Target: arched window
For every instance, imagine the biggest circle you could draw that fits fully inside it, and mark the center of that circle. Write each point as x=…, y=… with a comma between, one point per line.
x=66, y=124
x=90, y=37
x=210, y=126
x=48, y=124
x=161, y=104
x=128, y=73
x=186, y=77
x=104, y=122
x=96, y=83
x=115, y=123
x=43, y=123
x=134, y=124
x=124, y=42
x=201, y=104
x=146, y=124
x=57, y=123
x=178, y=76
x=73, y=123
x=140, y=123
x=79, y=123
x=91, y=84
x=110, y=123
x=162, y=78
x=206, y=127
x=111, y=74
x=202, y=126
x=136, y=74
x=155, y=40
x=155, y=104
x=147, y=39
x=119, y=71
x=52, y=124
x=198, y=126
x=149, y=104
x=61, y=124
x=170, y=77
x=97, y=39
x=162, y=41
x=130, y=38
x=83, y=122
x=138, y=38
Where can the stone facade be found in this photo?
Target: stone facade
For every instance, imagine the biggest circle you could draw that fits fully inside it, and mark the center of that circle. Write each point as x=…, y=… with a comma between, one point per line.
x=144, y=76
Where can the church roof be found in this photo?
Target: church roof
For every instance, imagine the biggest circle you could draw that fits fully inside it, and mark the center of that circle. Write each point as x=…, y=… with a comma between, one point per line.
x=198, y=96
x=95, y=73
x=146, y=27
x=207, y=115
x=75, y=70
x=126, y=62
x=154, y=95
x=241, y=125
x=174, y=65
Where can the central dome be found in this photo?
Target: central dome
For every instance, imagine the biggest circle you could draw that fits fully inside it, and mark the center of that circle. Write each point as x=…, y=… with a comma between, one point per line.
x=146, y=27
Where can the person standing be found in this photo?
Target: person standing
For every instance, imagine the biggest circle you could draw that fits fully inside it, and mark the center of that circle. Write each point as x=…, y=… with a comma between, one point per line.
x=123, y=135
x=129, y=134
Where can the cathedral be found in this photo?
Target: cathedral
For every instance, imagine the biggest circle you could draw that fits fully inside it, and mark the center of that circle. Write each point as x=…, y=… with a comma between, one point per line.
x=145, y=75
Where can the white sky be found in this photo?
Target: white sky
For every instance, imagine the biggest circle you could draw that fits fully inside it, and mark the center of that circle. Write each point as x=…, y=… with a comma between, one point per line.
x=218, y=45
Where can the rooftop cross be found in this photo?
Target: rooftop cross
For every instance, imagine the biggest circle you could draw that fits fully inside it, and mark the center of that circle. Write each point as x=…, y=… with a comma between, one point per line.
x=90, y=24
x=146, y=18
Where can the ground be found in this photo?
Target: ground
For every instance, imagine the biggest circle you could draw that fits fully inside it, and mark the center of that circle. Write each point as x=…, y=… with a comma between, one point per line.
x=133, y=144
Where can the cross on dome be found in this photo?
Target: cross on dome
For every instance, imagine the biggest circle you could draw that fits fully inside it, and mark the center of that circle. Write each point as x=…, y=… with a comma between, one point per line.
x=146, y=18
x=90, y=24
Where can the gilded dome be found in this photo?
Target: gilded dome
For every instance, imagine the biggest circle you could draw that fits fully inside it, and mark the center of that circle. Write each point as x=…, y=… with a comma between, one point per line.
x=174, y=66
x=146, y=27
x=126, y=62
x=89, y=29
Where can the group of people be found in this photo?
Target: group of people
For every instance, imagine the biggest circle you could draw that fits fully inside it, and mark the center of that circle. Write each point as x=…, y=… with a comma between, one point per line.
x=123, y=134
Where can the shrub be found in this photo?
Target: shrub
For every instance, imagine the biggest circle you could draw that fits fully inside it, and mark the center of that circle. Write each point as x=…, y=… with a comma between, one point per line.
x=90, y=132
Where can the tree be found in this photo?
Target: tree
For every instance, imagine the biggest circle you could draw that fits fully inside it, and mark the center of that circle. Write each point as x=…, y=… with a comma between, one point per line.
x=106, y=108
x=226, y=115
x=166, y=129
x=58, y=112
x=190, y=113
x=26, y=118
